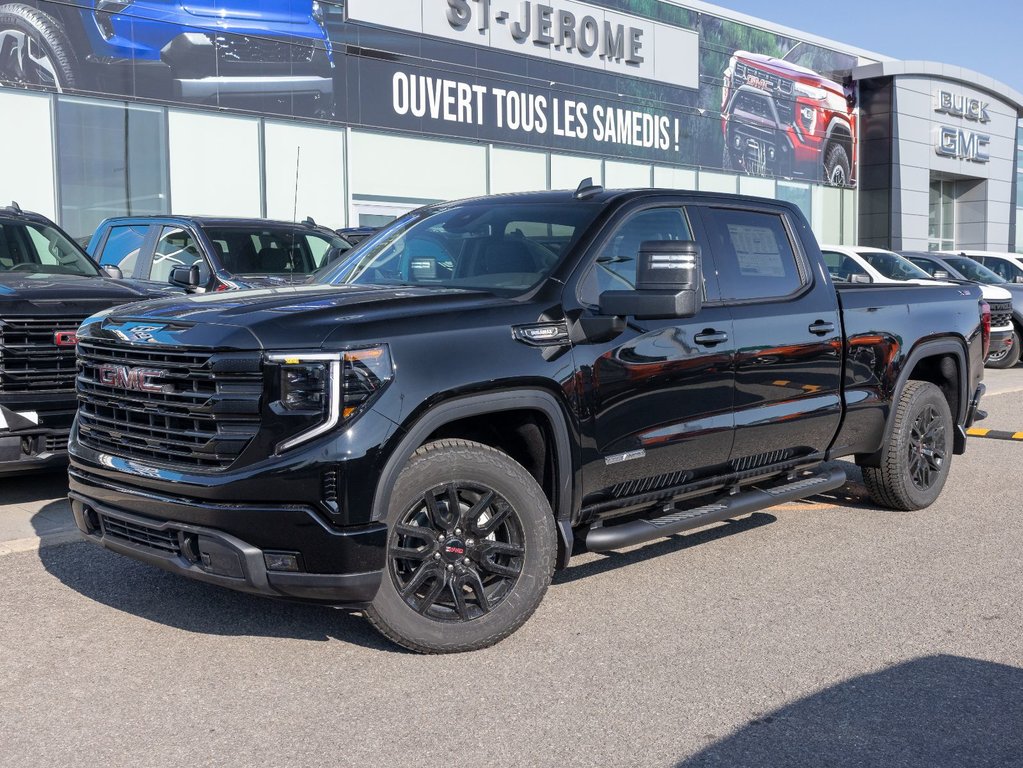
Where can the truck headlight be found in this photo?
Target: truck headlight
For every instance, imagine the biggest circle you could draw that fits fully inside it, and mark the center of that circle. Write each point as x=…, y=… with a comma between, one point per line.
x=320, y=390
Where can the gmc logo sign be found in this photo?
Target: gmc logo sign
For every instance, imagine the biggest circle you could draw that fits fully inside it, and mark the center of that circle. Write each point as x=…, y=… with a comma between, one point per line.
x=137, y=379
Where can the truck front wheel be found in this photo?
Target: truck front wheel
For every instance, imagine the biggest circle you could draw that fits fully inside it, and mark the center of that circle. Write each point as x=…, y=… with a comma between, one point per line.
x=471, y=550
x=916, y=458
x=837, y=166
x=34, y=50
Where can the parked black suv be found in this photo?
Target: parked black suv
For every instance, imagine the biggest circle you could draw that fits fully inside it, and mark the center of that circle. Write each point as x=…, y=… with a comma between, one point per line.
x=203, y=253
x=48, y=286
x=498, y=381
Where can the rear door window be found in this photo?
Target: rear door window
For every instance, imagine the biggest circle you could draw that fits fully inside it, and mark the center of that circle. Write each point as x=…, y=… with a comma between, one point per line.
x=753, y=253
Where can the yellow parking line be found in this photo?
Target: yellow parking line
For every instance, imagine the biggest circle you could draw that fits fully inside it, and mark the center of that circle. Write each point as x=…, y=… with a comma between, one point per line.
x=1017, y=436
x=977, y=432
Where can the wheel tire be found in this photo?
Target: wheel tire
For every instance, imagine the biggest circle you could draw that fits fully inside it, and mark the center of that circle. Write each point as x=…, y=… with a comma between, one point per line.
x=837, y=166
x=35, y=51
x=1007, y=359
x=429, y=618
x=916, y=458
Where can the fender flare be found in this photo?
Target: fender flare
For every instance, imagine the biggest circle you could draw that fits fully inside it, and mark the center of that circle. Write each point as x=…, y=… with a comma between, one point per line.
x=478, y=405
x=842, y=129
x=935, y=348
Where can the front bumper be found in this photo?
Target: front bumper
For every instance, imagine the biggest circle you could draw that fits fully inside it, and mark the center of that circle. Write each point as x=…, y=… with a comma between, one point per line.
x=225, y=544
x=32, y=440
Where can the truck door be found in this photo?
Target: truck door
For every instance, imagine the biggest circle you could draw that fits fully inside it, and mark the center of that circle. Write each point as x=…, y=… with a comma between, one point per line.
x=787, y=335
x=656, y=400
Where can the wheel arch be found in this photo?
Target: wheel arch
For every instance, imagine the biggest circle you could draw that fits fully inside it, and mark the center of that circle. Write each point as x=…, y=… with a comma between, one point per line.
x=462, y=408
x=942, y=362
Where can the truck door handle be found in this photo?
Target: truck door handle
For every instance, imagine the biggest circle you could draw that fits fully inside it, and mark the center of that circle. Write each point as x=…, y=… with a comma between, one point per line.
x=821, y=328
x=710, y=337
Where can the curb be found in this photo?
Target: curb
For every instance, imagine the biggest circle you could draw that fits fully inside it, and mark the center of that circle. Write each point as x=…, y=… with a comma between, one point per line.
x=35, y=543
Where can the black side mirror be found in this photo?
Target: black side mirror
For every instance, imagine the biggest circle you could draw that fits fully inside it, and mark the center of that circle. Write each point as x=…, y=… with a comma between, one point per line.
x=669, y=283
x=114, y=272
x=187, y=277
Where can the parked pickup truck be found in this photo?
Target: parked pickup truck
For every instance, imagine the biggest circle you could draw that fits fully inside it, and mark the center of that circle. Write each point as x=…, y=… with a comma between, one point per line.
x=503, y=381
x=48, y=287
x=203, y=253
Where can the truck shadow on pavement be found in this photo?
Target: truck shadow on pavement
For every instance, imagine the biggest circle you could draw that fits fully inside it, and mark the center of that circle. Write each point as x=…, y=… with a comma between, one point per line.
x=149, y=593
x=930, y=712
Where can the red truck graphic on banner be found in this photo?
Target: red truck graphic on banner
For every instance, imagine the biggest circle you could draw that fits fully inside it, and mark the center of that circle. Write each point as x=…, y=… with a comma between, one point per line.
x=779, y=117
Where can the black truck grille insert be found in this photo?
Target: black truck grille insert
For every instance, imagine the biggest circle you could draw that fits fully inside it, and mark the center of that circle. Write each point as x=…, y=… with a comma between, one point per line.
x=747, y=74
x=177, y=407
x=1001, y=313
x=30, y=360
x=164, y=541
x=248, y=49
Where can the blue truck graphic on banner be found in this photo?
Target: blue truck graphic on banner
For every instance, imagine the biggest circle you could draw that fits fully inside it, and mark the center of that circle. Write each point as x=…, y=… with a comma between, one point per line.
x=261, y=55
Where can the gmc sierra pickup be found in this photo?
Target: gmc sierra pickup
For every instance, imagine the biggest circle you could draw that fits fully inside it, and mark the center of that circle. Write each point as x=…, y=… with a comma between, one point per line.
x=499, y=382
x=47, y=287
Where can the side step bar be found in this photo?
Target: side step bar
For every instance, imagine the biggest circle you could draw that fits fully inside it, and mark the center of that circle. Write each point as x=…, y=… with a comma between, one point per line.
x=604, y=539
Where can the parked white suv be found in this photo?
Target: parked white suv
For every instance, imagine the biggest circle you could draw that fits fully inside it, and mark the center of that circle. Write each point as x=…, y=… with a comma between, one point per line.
x=860, y=264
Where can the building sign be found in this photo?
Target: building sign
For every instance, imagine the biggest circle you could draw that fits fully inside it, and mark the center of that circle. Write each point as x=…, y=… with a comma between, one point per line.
x=561, y=31
x=961, y=143
x=949, y=103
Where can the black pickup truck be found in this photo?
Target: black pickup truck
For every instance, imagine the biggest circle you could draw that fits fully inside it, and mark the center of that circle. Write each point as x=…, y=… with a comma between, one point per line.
x=501, y=382
x=48, y=286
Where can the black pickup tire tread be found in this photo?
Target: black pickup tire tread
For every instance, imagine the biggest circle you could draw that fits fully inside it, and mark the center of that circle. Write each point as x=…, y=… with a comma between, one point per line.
x=889, y=483
x=442, y=461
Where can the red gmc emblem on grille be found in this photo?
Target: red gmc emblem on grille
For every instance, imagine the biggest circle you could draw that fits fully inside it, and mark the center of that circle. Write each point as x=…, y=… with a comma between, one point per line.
x=65, y=338
x=137, y=379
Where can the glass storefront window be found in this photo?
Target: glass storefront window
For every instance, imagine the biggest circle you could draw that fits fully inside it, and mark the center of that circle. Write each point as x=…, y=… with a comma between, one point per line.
x=799, y=194
x=941, y=216
x=112, y=161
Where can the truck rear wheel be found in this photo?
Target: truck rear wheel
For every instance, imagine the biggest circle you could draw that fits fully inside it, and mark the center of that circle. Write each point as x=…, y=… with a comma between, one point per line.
x=471, y=550
x=916, y=458
x=34, y=50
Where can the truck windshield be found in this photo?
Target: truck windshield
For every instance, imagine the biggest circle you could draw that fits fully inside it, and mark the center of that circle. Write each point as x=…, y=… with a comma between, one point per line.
x=30, y=247
x=505, y=249
x=246, y=250
x=893, y=266
x=973, y=270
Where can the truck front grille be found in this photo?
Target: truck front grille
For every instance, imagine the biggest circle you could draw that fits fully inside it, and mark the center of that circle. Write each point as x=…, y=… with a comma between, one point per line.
x=1001, y=313
x=246, y=49
x=205, y=411
x=30, y=361
x=747, y=74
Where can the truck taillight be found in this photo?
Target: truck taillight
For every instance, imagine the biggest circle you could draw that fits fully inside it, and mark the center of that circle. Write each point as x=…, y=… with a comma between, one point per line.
x=985, y=326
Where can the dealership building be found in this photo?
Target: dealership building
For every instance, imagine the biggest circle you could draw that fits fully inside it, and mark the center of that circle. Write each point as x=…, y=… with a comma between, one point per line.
x=356, y=112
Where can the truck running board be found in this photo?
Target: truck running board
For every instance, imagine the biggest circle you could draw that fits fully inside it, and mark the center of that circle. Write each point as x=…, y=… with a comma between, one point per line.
x=604, y=539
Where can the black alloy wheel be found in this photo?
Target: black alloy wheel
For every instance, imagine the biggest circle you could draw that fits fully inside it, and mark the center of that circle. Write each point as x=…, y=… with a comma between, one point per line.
x=470, y=552
x=927, y=448
x=915, y=459
x=457, y=552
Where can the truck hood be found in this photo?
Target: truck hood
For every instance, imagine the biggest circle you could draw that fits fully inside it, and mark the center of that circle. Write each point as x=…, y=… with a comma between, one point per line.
x=788, y=69
x=279, y=318
x=268, y=11
x=34, y=294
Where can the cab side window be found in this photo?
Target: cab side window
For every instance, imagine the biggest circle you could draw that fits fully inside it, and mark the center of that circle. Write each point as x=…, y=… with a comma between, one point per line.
x=175, y=248
x=122, y=247
x=615, y=265
x=754, y=255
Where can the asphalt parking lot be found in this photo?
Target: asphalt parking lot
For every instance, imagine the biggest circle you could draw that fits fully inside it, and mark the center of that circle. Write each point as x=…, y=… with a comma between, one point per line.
x=825, y=632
